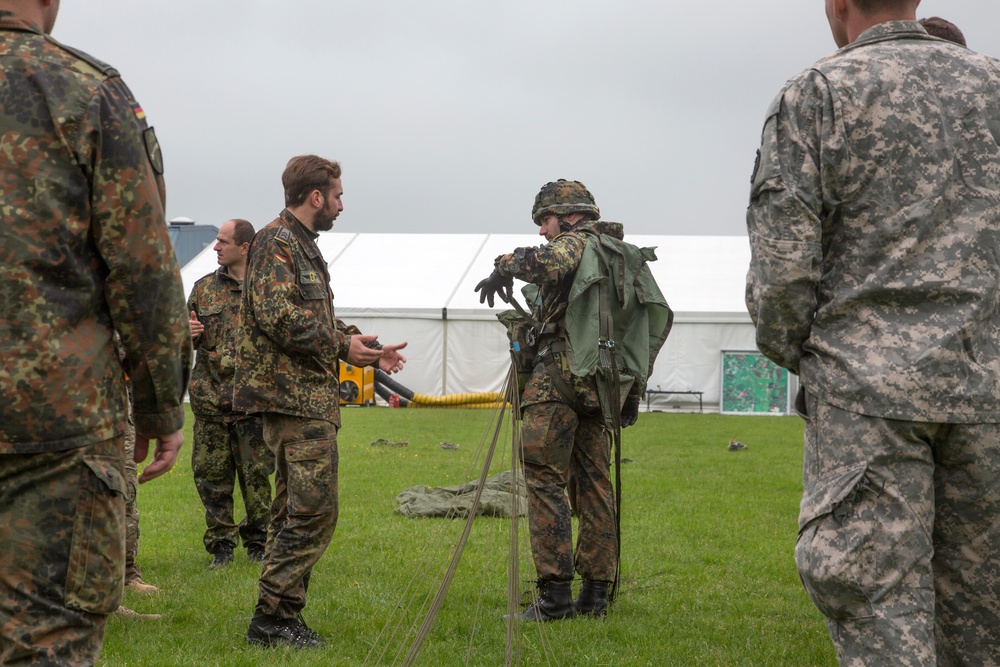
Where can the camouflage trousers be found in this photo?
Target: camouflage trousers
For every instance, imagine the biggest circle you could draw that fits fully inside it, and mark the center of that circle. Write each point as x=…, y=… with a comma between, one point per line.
x=899, y=538
x=132, y=571
x=304, y=511
x=560, y=450
x=221, y=454
x=62, y=527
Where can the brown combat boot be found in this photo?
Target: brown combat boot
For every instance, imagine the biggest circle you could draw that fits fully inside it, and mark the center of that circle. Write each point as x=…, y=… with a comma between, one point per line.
x=140, y=586
x=555, y=601
x=131, y=614
x=593, y=598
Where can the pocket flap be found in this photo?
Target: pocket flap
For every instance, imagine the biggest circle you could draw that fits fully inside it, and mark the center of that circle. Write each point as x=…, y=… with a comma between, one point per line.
x=830, y=491
x=308, y=450
x=108, y=471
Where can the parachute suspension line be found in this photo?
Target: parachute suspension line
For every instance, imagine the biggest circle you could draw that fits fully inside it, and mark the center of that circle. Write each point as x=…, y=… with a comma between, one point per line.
x=449, y=575
x=409, y=601
x=399, y=635
x=494, y=528
x=512, y=652
x=513, y=647
x=412, y=603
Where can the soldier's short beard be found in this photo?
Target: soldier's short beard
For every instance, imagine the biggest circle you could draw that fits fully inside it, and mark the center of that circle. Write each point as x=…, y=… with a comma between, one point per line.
x=323, y=220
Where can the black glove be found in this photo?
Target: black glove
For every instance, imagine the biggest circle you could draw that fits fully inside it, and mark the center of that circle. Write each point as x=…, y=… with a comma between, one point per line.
x=630, y=411
x=496, y=284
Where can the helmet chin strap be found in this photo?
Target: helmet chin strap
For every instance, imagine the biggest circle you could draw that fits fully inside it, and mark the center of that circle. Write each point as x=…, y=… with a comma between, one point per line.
x=564, y=226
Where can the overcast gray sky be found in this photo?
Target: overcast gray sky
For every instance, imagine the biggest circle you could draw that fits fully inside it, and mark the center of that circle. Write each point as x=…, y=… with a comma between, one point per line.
x=448, y=115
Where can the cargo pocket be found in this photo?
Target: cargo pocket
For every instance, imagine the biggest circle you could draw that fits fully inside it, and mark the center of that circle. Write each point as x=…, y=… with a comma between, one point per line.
x=96, y=571
x=540, y=445
x=826, y=552
x=312, y=477
x=858, y=539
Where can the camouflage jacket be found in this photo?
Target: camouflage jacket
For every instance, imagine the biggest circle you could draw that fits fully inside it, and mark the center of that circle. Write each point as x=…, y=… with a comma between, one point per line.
x=84, y=251
x=289, y=343
x=216, y=300
x=873, y=219
x=551, y=267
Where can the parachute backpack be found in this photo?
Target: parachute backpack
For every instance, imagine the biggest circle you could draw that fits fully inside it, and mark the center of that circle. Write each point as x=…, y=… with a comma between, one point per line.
x=616, y=322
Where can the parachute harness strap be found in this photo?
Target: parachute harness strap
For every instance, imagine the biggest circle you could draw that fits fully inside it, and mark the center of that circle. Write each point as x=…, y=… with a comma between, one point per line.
x=608, y=365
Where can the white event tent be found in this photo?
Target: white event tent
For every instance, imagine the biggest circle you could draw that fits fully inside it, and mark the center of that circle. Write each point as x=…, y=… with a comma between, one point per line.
x=420, y=288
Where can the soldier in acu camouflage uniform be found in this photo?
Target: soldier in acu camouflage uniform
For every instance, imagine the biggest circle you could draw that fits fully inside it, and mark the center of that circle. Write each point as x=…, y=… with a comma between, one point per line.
x=875, y=276
x=563, y=438
x=84, y=252
x=228, y=445
x=288, y=351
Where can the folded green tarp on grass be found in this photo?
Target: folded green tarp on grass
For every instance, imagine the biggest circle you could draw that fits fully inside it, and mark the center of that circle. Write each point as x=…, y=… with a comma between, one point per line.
x=455, y=501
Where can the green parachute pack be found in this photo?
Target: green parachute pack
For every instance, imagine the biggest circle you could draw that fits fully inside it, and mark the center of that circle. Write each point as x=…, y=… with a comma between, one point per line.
x=617, y=320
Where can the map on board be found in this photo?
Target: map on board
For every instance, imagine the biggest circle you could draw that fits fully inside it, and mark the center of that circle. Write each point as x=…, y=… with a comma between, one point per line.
x=752, y=384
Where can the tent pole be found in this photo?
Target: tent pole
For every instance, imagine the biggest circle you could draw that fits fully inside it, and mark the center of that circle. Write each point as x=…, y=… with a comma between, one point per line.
x=444, y=352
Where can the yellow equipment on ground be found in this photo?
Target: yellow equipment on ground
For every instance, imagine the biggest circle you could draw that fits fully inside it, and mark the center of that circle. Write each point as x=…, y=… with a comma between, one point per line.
x=357, y=384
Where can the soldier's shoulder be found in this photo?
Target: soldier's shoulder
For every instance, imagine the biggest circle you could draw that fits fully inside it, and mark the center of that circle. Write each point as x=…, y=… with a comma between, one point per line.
x=85, y=61
x=205, y=281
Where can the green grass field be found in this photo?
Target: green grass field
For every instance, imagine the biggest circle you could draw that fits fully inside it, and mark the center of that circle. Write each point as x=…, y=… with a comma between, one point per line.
x=707, y=568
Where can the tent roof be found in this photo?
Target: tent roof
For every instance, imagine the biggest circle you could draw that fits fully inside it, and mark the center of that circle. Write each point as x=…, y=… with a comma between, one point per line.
x=419, y=275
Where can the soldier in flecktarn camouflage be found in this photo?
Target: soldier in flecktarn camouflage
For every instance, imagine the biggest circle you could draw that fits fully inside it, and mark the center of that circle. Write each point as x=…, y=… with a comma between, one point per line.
x=563, y=438
x=84, y=252
x=289, y=345
x=228, y=445
x=875, y=276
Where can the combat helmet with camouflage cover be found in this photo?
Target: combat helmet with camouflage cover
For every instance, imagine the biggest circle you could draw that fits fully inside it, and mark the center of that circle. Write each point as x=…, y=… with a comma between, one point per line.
x=563, y=197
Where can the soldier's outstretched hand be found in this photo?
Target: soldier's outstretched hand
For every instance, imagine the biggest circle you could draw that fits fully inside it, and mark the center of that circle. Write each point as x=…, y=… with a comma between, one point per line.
x=495, y=285
x=360, y=354
x=392, y=361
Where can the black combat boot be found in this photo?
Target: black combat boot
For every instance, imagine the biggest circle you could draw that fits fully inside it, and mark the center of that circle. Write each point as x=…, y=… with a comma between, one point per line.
x=268, y=631
x=222, y=556
x=555, y=601
x=593, y=598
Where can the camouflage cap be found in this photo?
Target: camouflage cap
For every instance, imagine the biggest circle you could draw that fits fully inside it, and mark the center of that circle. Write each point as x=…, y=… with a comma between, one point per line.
x=562, y=197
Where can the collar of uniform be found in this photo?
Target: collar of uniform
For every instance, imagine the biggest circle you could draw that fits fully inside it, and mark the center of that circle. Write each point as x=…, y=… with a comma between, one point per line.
x=890, y=30
x=8, y=22
x=305, y=236
x=223, y=273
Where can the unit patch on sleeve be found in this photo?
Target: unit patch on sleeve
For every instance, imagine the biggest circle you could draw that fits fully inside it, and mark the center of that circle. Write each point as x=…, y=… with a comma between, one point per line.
x=153, y=150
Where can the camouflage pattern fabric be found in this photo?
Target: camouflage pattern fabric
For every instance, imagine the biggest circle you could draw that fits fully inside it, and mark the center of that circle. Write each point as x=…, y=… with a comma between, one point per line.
x=289, y=342
x=222, y=453
x=132, y=570
x=559, y=446
x=873, y=229
x=304, y=512
x=216, y=299
x=84, y=250
x=876, y=491
x=558, y=443
x=227, y=445
x=873, y=224
x=62, y=524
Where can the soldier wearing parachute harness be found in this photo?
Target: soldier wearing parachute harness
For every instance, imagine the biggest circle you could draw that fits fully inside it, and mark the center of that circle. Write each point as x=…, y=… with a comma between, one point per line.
x=597, y=321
